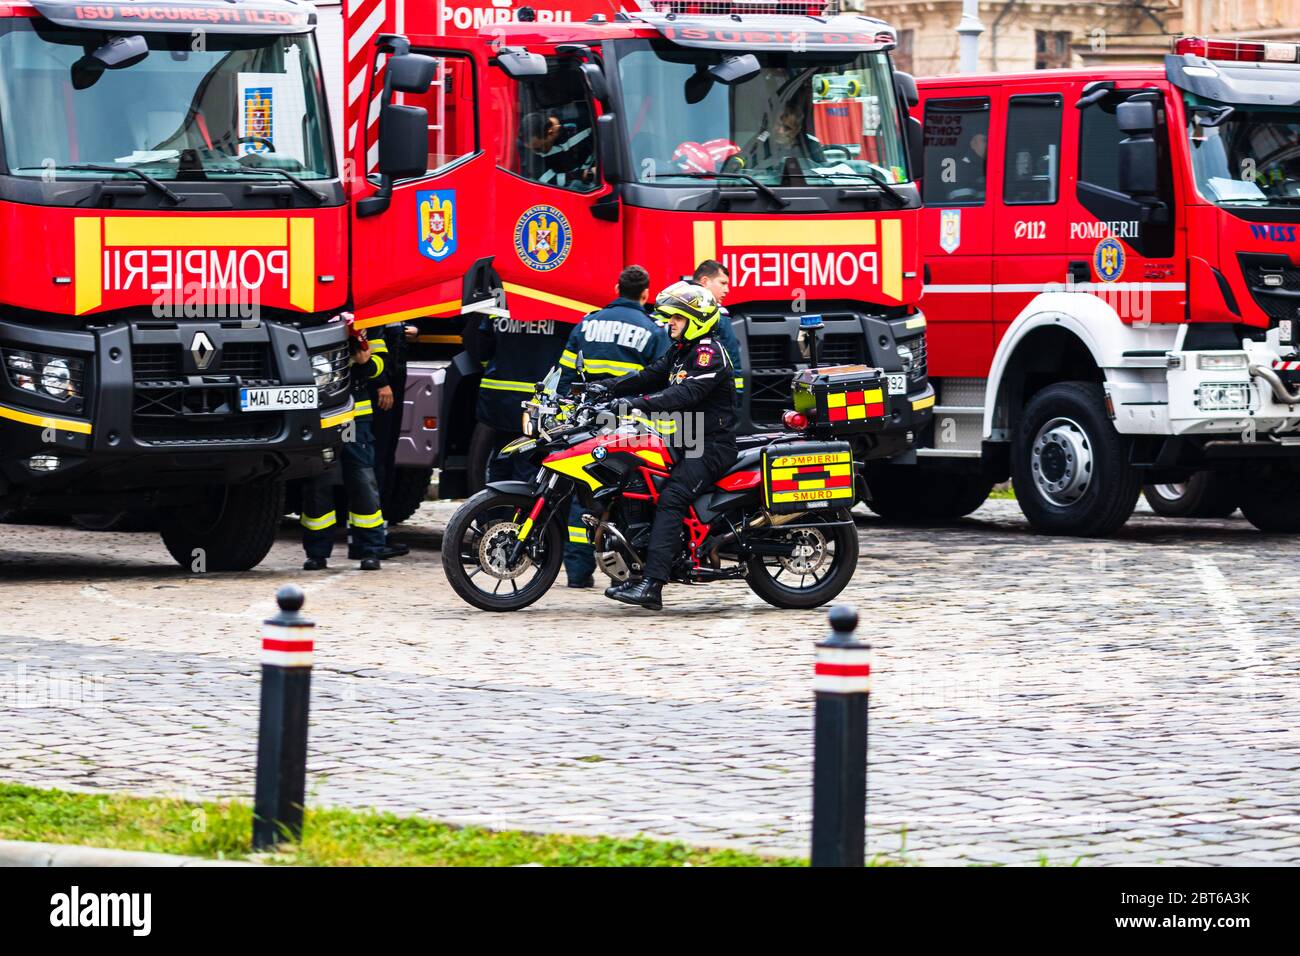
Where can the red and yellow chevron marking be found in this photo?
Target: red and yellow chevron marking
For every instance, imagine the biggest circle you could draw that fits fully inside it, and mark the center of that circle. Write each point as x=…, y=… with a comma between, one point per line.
x=791, y=479
x=850, y=406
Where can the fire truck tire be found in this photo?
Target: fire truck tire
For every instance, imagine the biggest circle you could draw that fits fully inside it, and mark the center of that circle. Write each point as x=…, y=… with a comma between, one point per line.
x=1069, y=466
x=409, y=488
x=1207, y=494
x=1269, y=502
x=232, y=530
x=907, y=495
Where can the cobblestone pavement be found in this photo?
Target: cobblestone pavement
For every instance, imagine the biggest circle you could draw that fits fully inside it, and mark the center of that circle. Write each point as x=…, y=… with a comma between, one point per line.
x=1130, y=701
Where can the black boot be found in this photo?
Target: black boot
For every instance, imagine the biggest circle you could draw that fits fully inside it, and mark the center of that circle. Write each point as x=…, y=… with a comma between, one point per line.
x=646, y=593
x=315, y=564
x=614, y=590
x=370, y=564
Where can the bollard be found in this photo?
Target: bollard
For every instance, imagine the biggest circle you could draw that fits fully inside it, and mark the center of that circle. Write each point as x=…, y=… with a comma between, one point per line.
x=282, y=727
x=842, y=687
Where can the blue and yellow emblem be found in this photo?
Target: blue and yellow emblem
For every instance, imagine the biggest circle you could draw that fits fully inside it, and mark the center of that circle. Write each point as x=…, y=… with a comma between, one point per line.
x=259, y=120
x=542, y=238
x=437, y=215
x=1109, y=259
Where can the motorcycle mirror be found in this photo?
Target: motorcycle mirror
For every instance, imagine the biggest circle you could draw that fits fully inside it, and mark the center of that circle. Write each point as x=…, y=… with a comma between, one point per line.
x=580, y=366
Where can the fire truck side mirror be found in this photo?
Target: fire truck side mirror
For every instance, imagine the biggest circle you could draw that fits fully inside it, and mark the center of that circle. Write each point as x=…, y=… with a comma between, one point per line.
x=1137, y=153
x=905, y=88
x=611, y=157
x=403, y=141
x=915, y=143
x=411, y=72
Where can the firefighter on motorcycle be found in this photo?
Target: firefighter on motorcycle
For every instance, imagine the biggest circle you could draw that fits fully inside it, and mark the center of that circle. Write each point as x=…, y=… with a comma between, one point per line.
x=694, y=377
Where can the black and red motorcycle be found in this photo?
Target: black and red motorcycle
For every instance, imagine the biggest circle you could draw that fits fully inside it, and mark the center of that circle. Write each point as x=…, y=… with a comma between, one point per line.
x=778, y=519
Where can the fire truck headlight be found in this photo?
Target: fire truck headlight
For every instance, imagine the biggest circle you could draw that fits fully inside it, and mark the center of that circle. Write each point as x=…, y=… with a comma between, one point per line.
x=21, y=369
x=57, y=376
x=322, y=369
x=905, y=354
x=1224, y=397
x=56, y=379
x=1220, y=361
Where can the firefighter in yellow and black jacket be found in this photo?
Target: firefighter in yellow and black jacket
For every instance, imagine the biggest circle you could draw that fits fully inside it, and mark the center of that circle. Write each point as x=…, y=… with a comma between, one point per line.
x=365, y=515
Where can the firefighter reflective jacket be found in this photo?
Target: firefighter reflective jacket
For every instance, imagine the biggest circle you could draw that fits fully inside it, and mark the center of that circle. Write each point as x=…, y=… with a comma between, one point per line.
x=690, y=377
x=516, y=356
x=615, y=340
x=367, y=379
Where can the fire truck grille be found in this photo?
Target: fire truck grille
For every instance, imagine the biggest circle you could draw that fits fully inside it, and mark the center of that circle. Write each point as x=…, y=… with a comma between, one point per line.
x=165, y=363
x=769, y=353
x=1274, y=284
x=842, y=350
x=209, y=432
x=173, y=413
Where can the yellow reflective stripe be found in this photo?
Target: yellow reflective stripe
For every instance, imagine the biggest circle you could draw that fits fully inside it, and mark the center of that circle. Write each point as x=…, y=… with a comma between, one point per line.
x=740, y=381
x=41, y=421
x=379, y=366
x=377, y=346
x=549, y=298
x=917, y=323
x=611, y=366
x=568, y=359
x=338, y=419
x=366, y=521
x=921, y=403
x=665, y=426
x=319, y=524
x=502, y=385
x=440, y=308
x=362, y=409
x=524, y=528
x=578, y=534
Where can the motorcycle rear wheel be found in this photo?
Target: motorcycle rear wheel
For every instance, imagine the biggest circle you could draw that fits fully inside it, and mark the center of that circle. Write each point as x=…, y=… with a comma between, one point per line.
x=836, y=549
x=477, y=570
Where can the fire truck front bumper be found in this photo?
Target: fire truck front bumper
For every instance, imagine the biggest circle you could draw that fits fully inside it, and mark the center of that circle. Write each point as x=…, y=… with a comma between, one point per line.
x=127, y=409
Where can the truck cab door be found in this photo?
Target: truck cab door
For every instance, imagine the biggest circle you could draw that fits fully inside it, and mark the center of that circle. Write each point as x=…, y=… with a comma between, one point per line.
x=957, y=232
x=1030, y=227
x=1130, y=250
x=410, y=258
x=559, y=241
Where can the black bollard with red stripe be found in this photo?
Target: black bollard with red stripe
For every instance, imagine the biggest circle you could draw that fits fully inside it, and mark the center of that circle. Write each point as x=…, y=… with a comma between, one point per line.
x=287, y=647
x=842, y=687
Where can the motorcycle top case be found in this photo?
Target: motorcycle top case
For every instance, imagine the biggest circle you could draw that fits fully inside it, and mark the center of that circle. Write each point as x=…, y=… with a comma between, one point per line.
x=801, y=476
x=850, y=399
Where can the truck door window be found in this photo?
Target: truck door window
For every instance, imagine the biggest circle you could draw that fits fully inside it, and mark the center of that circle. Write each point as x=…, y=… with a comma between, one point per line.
x=453, y=129
x=1098, y=188
x=552, y=138
x=956, y=152
x=1033, y=163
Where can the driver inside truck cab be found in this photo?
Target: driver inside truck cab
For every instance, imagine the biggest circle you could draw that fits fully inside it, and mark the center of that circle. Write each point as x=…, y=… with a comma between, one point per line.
x=555, y=152
x=787, y=136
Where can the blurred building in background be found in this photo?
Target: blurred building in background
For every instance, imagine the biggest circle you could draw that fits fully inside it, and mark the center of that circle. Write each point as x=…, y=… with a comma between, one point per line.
x=1047, y=34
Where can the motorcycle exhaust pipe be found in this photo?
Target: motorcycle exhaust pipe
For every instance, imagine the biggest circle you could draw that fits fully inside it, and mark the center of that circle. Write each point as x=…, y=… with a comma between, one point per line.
x=757, y=523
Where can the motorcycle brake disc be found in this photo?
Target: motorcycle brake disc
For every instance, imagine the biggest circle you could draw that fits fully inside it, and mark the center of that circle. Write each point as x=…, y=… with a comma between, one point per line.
x=810, y=552
x=494, y=551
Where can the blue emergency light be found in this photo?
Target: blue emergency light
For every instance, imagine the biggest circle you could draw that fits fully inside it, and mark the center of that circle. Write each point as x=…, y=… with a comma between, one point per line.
x=811, y=321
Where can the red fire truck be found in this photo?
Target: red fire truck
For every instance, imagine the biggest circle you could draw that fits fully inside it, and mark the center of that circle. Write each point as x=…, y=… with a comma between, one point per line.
x=1112, y=281
x=676, y=103
x=175, y=236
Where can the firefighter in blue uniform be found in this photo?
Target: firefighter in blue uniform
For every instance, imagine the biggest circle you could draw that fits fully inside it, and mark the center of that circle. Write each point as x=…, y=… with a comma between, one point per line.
x=613, y=341
x=365, y=515
x=515, y=356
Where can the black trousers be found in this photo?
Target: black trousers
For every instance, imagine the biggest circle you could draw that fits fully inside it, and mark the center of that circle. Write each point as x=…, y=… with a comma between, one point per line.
x=689, y=478
x=365, y=515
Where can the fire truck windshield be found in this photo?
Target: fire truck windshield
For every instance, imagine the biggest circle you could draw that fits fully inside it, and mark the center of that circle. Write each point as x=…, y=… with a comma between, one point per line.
x=820, y=118
x=1248, y=155
x=231, y=104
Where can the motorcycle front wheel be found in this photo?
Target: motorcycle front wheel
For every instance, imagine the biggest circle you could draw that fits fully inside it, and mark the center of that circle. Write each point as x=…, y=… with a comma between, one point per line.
x=477, y=545
x=822, y=565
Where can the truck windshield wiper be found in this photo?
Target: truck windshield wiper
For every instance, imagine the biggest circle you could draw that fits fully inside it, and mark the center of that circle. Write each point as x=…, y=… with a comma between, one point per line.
x=174, y=199
x=885, y=187
x=272, y=171
x=764, y=189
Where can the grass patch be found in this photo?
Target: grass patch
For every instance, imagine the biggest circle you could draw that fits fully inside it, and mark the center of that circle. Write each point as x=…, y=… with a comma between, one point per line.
x=1003, y=494
x=333, y=837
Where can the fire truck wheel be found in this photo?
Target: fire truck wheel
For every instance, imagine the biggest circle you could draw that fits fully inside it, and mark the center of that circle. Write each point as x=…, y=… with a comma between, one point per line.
x=1069, y=466
x=1269, y=502
x=232, y=529
x=410, y=485
x=908, y=495
x=1207, y=494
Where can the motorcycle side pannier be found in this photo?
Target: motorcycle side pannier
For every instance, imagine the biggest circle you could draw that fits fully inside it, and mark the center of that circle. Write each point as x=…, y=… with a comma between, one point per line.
x=848, y=399
x=800, y=476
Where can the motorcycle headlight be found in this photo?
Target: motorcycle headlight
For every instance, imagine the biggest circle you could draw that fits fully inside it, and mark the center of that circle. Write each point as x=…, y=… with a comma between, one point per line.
x=527, y=425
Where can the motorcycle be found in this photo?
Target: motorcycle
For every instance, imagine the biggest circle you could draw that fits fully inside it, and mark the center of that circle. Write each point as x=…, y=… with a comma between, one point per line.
x=778, y=519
